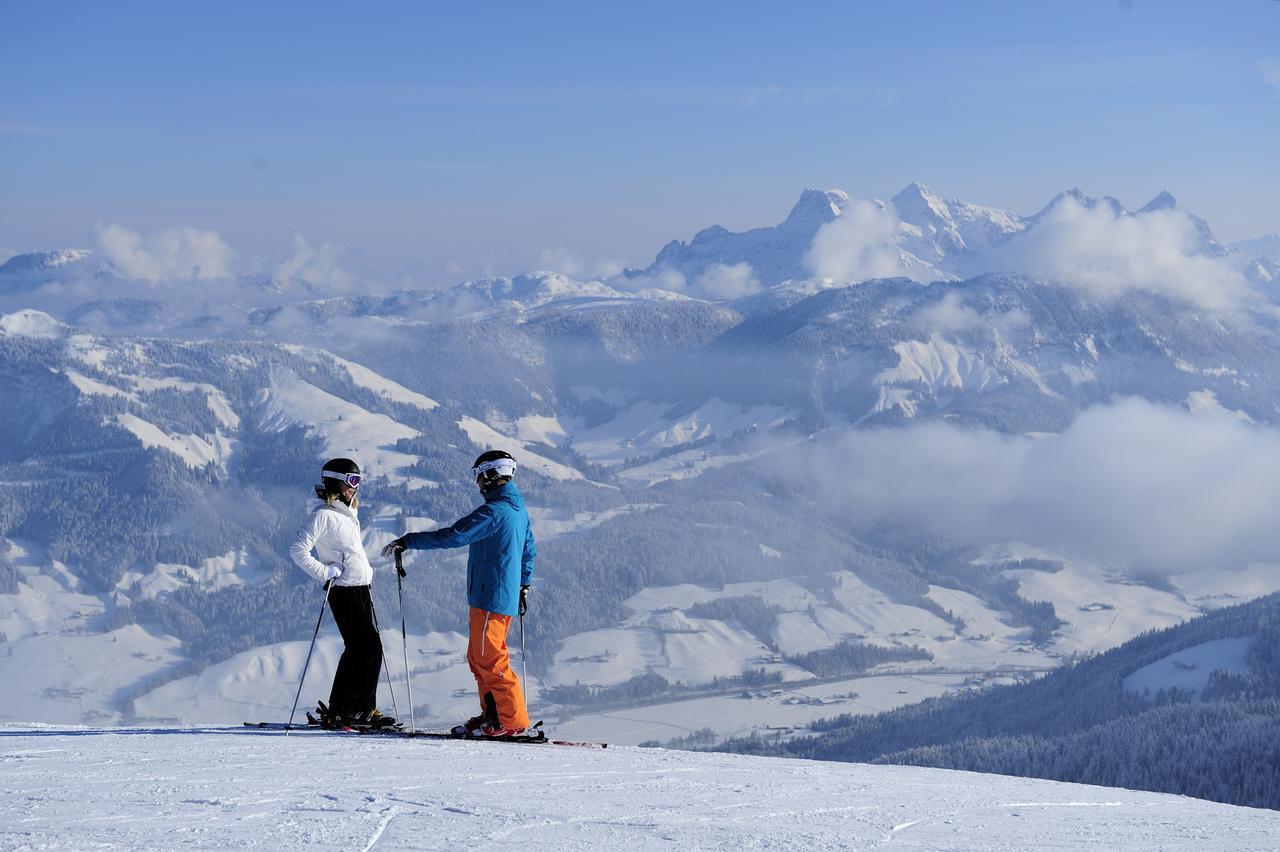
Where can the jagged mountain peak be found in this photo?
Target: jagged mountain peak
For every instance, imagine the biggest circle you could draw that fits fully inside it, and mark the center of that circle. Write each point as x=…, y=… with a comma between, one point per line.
x=918, y=196
x=1086, y=201
x=1163, y=201
x=815, y=208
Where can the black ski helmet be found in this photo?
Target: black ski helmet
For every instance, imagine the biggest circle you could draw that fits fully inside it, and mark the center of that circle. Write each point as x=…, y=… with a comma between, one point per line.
x=493, y=465
x=340, y=471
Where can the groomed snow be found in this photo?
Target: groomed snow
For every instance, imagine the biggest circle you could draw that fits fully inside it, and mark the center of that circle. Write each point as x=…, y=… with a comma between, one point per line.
x=77, y=788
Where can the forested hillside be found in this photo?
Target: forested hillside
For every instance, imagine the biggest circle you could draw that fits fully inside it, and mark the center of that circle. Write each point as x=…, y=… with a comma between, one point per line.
x=1081, y=723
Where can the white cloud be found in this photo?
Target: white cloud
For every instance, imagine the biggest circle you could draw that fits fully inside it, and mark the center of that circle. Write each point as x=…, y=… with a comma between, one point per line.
x=1158, y=489
x=316, y=267
x=176, y=253
x=1270, y=73
x=950, y=315
x=663, y=278
x=1108, y=254
x=721, y=281
x=861, y=244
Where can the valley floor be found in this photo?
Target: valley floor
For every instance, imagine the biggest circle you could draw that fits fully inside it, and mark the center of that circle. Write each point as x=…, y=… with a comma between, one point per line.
x=233, y=788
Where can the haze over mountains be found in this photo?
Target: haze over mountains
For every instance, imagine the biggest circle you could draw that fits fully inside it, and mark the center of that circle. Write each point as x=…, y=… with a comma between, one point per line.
x=921, y=425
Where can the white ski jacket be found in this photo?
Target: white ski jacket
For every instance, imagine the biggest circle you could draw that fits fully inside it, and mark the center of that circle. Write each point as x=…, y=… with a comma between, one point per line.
x=333, y=530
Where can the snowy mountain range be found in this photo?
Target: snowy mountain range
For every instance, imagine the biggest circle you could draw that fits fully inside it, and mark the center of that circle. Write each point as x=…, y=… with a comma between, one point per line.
x=675, y=427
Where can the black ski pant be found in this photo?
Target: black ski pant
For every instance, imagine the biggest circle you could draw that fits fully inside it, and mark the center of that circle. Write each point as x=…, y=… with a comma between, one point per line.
x=355, y=685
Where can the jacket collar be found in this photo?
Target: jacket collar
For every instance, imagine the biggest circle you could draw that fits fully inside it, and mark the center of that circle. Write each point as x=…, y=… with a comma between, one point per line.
x=505, y=494
x=316, y=504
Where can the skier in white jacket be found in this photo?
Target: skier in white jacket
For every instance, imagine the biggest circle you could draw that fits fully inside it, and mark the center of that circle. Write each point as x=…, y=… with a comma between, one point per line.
x=333, y=532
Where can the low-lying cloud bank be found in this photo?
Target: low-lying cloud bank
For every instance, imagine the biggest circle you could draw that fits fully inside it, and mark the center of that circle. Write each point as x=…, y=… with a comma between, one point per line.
x=1132, y=484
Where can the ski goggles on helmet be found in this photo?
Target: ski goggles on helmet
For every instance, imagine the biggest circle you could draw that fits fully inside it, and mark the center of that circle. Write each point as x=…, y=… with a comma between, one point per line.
x=352, y=479
x=502, y=467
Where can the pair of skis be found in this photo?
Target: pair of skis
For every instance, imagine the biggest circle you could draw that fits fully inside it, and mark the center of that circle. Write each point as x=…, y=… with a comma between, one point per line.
x=534, y=736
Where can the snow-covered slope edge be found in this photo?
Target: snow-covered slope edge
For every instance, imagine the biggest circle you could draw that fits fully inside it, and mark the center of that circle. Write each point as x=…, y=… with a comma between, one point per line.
x=232, y=788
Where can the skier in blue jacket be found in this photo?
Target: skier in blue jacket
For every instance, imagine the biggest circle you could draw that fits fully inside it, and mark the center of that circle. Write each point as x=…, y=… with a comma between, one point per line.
x=499, y=571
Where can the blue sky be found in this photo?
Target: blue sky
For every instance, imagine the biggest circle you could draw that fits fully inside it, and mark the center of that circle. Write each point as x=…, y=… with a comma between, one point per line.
x=444, y=142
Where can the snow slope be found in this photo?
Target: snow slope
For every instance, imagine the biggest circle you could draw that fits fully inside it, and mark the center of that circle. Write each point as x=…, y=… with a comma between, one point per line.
x=241, y=789
x=1190, y=668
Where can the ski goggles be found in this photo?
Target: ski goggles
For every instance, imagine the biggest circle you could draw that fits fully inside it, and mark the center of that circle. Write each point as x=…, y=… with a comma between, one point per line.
x=504, y=467
x=352, y=479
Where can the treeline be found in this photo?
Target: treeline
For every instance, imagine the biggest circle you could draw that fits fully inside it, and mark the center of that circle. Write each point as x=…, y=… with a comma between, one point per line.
x=854, y=658
x=745, y=611
x=1078, y=723
x=1226, y=752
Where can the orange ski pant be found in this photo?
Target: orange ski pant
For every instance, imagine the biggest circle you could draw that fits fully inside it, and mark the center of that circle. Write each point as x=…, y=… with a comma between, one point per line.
x=491, y=664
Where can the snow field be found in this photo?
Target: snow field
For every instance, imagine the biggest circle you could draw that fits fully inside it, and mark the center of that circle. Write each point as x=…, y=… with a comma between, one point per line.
x=244, y=789
x=233, y=568
x=344, y=428
x=1190, y=668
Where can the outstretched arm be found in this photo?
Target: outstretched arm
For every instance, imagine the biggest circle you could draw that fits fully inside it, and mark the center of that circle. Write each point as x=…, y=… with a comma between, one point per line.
x=474, y=527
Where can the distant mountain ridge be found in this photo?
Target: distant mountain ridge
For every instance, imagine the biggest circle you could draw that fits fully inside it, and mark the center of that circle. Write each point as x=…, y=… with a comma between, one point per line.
x=950, y=236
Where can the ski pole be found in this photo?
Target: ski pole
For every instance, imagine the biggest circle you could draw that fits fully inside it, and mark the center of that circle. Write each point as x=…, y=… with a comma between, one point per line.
x=524, y=660
x=404, y=635
x=307, y=664
x=383, y=648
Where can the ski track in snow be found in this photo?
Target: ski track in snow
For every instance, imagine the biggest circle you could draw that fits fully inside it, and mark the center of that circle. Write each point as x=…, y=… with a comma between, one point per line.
x=236, y=788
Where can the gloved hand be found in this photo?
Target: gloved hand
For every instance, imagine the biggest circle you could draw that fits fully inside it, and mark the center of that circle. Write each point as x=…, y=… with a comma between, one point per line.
x=390, y=550
x=332, y=572
x=524, y=599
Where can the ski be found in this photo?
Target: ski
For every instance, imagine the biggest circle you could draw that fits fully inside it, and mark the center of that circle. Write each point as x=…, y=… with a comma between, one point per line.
x=350, y=729
x=538, y=737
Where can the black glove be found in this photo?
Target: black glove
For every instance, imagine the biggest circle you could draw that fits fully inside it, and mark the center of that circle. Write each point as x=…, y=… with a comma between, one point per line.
x=524, y=599
x=390, y=550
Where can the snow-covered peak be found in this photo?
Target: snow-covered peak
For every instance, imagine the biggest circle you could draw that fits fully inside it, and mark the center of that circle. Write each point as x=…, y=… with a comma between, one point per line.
x=919, y=199
x=917, y=205
x=42, y=261
x=1088, y=202
x=31, y=323
x=1163, y=201
x=815, y=208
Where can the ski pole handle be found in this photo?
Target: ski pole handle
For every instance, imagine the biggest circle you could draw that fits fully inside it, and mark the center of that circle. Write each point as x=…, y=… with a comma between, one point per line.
x=400, y=563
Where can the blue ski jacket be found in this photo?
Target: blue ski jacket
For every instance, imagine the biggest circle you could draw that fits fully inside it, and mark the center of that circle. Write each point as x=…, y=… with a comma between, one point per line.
x=502, y=549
